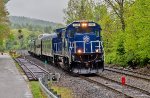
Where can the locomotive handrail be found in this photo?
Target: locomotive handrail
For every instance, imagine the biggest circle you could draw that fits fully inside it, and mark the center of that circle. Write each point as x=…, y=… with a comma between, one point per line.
x=72, y=45
x=99, y=45
x=56, y=46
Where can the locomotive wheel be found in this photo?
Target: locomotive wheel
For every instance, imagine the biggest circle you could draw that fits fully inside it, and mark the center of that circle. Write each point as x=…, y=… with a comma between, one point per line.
x=56, y=60
x=66, y=63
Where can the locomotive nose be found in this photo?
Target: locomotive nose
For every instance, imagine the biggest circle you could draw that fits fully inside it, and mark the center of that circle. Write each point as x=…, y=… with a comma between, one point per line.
x=83, y=42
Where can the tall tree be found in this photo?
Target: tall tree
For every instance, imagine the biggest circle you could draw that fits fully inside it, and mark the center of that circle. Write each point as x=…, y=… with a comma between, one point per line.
x=79, y=10
x=4, y=29
x=137, y=42
x=118, y=8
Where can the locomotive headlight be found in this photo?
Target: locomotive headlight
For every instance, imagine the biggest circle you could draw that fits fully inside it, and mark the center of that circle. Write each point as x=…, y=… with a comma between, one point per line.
x=84, y=24
x=97, y=50
x=79, y=51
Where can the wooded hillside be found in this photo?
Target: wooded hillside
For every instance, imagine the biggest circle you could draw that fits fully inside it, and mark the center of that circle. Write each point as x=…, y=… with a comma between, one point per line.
x=33, y=24
x=24, y=29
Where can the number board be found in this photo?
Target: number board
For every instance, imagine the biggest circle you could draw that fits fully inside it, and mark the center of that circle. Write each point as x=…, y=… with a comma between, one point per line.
x=76, y=25
x=91, y=24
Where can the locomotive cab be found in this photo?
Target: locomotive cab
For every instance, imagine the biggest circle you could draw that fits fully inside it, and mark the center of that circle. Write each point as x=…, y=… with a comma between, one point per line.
x=85, y=47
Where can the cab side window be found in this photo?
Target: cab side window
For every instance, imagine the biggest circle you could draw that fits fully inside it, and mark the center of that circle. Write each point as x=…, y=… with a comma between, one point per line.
x=97, y=32
x=71, y=33
x=59, y=35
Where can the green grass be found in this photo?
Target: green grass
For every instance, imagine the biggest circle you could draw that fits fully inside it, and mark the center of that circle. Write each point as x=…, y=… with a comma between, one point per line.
x=36, y=90
x=19, y=68
x=63, y=91
x=14, y=55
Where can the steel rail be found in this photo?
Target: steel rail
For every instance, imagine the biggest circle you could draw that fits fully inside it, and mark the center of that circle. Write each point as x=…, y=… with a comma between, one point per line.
x=38, y=66
x=31, y=73
x=139, y=77
x=139, y=73
x=100, y=84
x=130, y=86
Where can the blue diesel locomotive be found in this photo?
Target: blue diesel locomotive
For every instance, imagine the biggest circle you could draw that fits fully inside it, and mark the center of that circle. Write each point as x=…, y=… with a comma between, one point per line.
x=77, y=47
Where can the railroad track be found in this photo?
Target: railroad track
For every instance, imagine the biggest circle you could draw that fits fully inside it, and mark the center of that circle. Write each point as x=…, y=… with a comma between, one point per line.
x=38, y=66
x=130, y=91
x=31, y=75
x=129, y=73
x=32, y=71
x=127, y=85
x=105, y=85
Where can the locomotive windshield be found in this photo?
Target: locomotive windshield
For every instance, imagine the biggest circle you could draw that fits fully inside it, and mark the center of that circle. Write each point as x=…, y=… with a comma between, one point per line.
x=82, y=30
x=83, y=27
x=85, y=30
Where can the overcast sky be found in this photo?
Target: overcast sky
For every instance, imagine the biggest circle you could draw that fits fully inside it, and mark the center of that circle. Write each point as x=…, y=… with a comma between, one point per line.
x=51, y=10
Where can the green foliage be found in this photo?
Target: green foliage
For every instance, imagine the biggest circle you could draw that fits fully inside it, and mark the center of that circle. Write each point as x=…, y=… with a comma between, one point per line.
x=2, y=47
x=63, y=91
x=79, y=10
x=138, y=32
x=4, y=25
x=36, y=90
x=15, y=43
x=25, y=29
x=133, y=46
